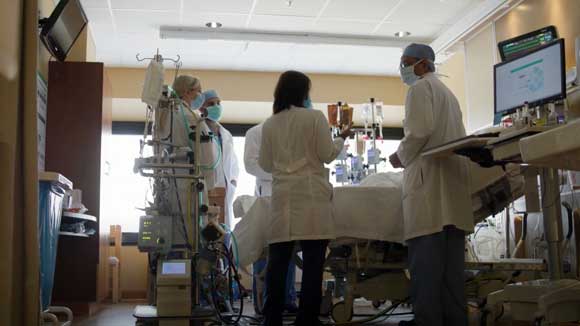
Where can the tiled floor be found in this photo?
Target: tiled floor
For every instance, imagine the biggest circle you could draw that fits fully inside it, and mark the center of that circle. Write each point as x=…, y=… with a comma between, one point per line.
x=111, y=315
x=121, y=315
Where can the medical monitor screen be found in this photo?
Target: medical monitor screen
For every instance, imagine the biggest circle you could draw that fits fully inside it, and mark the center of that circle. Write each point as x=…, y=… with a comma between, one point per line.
x=173, y=268
x=536, y=78
x=62, y=28
x=518, y=46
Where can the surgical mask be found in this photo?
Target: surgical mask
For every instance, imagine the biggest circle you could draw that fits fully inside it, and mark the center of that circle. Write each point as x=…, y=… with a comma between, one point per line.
x=214, y=112
x=408, y=74
x=307, y=103
x=198, y=102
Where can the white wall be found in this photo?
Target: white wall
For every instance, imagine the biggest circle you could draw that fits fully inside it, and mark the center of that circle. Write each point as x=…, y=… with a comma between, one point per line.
x=479, y=60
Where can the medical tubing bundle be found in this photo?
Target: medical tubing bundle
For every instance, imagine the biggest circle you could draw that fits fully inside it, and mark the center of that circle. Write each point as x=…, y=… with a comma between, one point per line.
x=235, y=242
x=214, y=138
x=213, y=291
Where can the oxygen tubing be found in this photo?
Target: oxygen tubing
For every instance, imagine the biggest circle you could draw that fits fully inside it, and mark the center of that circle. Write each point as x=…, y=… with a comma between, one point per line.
x=219, y=150
x=235, y=241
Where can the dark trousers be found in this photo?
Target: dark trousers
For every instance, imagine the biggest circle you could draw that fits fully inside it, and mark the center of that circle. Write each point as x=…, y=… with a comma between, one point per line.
x=279, y=255
x=437, y=266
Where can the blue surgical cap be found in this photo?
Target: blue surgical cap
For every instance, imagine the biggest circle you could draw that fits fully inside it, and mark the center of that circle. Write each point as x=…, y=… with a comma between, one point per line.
x=419, y=51
x=209, y=94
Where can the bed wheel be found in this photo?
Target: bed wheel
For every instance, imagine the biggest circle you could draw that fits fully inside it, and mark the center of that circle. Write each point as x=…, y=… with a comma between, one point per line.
x=377, y=303
x=341, y=313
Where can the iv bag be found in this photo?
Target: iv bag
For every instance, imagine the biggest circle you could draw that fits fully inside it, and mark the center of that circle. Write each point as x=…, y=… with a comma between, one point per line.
x=366, y=113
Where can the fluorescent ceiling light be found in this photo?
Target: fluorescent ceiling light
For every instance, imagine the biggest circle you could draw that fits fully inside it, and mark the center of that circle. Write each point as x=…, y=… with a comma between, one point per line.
x=402, y=34
x=213, y=24
x=202, y=34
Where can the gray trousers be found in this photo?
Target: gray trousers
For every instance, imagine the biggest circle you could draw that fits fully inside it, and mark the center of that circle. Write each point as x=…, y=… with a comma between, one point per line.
x=437, y=266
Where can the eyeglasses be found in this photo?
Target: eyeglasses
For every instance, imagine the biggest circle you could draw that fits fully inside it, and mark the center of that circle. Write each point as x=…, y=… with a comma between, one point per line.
x=403, y=65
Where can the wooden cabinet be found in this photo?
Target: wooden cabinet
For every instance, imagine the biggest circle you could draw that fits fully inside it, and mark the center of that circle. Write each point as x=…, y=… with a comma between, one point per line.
x=78, y=129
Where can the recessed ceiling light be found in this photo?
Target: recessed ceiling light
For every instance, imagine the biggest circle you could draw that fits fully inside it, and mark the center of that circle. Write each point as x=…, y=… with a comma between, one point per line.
x=402, y=34
x=213, y=25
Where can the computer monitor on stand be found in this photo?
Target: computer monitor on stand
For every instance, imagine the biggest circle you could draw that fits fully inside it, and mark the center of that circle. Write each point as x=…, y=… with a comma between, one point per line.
x=536, y=78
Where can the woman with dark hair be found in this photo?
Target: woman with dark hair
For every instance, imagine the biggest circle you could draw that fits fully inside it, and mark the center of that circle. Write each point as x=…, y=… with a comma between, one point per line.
x=296, y=142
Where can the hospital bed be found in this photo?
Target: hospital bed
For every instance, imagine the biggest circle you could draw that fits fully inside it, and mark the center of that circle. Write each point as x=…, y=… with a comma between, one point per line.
x=368, y=257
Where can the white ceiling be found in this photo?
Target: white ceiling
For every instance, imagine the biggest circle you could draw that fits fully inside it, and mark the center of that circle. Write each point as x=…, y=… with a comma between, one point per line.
x=123, y=28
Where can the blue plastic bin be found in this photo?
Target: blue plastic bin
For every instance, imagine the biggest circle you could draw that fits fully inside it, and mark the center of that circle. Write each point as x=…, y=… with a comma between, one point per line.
x=50, y=199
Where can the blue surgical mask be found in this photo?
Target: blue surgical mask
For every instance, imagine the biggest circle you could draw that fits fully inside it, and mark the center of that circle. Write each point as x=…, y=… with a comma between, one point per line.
x=198, y=102
x=408, y=74
x=307, y=103
x=214, y=112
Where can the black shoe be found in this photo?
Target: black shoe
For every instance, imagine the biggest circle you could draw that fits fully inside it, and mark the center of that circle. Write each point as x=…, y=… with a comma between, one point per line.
x=291, y=308
x=407, y=323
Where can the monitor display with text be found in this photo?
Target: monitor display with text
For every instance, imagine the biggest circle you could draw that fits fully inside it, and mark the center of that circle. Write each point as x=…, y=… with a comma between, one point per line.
x=536, y=78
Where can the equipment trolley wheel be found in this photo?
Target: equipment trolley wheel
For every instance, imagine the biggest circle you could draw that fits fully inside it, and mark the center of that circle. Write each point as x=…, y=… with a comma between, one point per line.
x=341, y=313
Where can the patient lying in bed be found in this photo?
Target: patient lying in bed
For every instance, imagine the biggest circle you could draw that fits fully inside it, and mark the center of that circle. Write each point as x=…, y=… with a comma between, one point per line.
x=371, y=210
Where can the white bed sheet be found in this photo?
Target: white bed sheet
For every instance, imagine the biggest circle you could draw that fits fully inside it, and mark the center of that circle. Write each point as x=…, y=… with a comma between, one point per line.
x=372, y=213
x=361, y=212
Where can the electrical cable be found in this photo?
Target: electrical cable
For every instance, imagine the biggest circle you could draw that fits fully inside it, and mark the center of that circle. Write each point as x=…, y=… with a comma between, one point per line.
x=222, y=318
x=235, y=242
x=183, y=229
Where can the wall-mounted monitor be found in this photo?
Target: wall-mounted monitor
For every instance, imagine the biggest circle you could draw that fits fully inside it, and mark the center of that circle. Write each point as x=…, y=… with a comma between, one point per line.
x=536, y=78
x=60, y=31
x=518, y=46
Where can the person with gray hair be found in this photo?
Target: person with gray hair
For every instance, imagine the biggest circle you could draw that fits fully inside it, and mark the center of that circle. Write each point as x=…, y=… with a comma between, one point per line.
x=436, y=196
x=176, y=126
x=188, y=88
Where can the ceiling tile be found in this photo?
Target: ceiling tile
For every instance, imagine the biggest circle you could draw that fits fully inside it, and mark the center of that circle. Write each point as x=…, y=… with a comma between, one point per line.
x=227, y=20
x=335, y=26
x=138, y=32
x=104, y=40
x=418, y=31
x=281, y=23
x=309, y=8
x=98, y=16
x=142, y=22
x=94, y=4
x=211, y=48
x=440, y=12
x=218, y=6
x=167, y=5
x=360, y=9
x=264, y=55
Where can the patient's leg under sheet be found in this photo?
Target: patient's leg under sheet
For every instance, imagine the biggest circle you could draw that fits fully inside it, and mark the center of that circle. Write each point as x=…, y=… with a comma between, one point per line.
x=436, y=263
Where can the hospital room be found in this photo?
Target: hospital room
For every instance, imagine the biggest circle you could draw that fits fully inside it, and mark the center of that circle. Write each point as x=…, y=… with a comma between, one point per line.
x=290, y=162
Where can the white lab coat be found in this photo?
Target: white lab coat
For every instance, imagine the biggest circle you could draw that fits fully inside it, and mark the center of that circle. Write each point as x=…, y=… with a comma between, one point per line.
x=436, y=191
x=227, y=171
x=295, y=145
x=251, y=155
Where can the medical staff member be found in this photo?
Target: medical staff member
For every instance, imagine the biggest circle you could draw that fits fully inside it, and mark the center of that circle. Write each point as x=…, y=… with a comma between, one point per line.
x=264, y=189
x=176, y=127
x=436, y=195
x=296, y=142
x=227, y=171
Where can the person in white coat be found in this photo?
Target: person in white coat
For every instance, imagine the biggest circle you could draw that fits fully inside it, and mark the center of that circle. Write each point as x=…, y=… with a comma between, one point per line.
x=251, y=154
x=436, y=194
x=264, y=189
x=296, y=142
x=227, y=171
